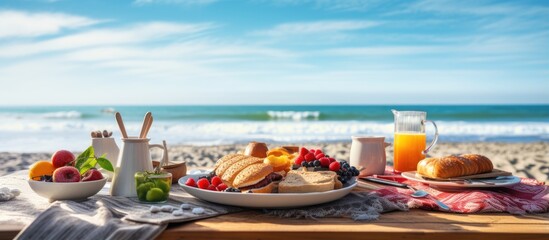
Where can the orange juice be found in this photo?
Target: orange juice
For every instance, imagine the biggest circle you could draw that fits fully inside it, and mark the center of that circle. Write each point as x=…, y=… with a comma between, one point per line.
x=408, y=151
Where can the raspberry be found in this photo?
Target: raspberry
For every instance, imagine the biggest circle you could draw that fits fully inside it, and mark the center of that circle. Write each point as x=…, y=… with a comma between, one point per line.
x=212, y=188
x=303, y=151
x=334, y=166
x=216, y=181
x=203, y=183
x=332, y=160
x=324, y=161
x=319, y=155
x=318, y=151
x=312, y=151
x=299, y=160
x=191, y=182
x=309, y=157
x=221, y=187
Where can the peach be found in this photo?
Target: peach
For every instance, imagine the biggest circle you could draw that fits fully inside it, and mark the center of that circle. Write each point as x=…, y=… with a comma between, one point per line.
x=62, y=158
x=92, y=175
x=66, y=174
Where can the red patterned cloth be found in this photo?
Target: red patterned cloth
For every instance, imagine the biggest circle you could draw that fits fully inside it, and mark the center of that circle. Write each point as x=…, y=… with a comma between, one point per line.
x=529, y=196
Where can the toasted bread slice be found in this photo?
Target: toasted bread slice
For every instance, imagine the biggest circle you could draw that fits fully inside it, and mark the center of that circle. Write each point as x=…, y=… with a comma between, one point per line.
x=228, y=163
x=231, y=172
x=303, y=182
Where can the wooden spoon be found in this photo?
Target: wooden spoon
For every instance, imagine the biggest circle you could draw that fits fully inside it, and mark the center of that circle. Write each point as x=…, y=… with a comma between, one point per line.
x=145, y=123
x=148, y=126
x=121, y=124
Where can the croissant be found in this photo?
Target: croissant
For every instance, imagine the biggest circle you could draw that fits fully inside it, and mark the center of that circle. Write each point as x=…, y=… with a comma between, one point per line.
x=454, y=166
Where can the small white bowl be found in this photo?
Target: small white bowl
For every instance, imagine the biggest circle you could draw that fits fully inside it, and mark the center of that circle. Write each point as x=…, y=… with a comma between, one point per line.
x=67, y=191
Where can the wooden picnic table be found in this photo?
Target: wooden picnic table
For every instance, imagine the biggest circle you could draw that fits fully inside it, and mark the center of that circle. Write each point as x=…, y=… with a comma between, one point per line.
x=415, y=224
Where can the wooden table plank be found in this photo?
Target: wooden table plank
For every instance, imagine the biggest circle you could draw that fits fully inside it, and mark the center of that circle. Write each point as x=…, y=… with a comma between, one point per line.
x=397, y=225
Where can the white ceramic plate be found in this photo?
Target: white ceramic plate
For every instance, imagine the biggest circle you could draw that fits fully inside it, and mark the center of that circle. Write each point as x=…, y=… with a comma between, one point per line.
x=479, y=183
x=67, y=191
x=267, y=200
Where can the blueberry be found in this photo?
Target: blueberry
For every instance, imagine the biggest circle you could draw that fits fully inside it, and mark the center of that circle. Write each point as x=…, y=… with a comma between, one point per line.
x=316, y=163
x=304, y=164
x=327, y=156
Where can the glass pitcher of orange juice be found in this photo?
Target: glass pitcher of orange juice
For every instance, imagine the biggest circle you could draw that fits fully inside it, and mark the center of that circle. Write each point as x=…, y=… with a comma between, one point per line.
x=410, y=139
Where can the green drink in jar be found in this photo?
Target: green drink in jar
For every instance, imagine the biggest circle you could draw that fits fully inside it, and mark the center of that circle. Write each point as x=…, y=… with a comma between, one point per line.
x=153, y=187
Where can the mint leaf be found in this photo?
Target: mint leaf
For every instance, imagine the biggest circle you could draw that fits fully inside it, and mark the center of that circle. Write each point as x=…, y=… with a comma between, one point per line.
x=83, y=157
x=105, y=164
x=88, y=165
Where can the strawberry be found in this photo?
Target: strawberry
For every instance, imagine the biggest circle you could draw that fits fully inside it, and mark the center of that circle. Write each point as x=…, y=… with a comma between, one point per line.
x=334, y=166
x=324, y=162
x=303, y=151
x=212, y=188
x=221, y=187
x=299, y=160
x=319, y=155
x=309, y=157
x=203, y=183
x=191, y=182
x=216, y=181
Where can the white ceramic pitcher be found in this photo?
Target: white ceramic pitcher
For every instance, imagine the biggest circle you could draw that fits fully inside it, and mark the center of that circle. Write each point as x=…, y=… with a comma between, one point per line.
x=134, y=157
x=108, y=147
x=368, y=154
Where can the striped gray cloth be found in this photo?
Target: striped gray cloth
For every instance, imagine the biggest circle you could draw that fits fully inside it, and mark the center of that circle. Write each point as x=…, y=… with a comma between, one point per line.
x=96, y=218
x=99, y=217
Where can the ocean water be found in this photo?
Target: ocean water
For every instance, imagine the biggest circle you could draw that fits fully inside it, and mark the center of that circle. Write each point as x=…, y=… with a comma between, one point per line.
x=29, y=129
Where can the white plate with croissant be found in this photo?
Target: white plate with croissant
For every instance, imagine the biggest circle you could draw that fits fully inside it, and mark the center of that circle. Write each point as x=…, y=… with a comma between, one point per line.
x=461, y=171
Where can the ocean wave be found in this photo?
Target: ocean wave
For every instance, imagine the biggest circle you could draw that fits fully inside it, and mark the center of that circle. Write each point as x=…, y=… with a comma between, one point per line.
x=294, y=115
x=32, y=134
x=62, y=114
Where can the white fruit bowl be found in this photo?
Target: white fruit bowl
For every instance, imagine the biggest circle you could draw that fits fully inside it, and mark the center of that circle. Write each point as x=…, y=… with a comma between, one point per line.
x=67, y=191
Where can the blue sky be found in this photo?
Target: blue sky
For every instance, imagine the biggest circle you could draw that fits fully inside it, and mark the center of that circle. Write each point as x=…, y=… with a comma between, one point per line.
x=273, y=52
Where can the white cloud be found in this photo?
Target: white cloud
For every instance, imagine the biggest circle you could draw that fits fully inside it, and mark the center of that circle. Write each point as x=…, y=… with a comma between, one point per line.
x=384, y=50
x=145, y=32
x=29, y=24
x=181, y=2
x=316, y=27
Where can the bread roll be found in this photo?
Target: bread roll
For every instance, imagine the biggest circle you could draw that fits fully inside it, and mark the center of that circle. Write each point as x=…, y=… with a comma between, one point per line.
x=454, y=166
x=256, y=149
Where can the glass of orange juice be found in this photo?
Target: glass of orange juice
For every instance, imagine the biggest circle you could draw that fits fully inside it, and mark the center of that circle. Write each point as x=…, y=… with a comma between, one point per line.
x=410, y=139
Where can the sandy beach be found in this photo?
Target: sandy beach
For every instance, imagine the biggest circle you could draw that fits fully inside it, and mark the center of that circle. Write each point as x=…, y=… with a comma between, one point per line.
x=522, y=159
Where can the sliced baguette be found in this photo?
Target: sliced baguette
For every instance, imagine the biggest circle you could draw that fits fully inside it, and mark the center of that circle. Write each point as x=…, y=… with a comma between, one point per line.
x=304, y=182
x=231, y=172
x=228, y=163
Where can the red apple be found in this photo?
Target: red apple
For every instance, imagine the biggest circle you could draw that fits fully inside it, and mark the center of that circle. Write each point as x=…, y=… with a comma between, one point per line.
x=92, y=175
x=66, y=174
x=62, y=158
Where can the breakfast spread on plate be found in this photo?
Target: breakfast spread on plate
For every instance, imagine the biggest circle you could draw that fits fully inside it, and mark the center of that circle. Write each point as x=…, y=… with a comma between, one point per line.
x=250, y=173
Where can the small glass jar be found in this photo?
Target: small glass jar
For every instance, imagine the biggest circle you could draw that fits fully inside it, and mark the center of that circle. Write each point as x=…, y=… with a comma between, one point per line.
x=153, y=187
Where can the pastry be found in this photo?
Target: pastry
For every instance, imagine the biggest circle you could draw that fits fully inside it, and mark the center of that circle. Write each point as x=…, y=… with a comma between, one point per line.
x=454, y=166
